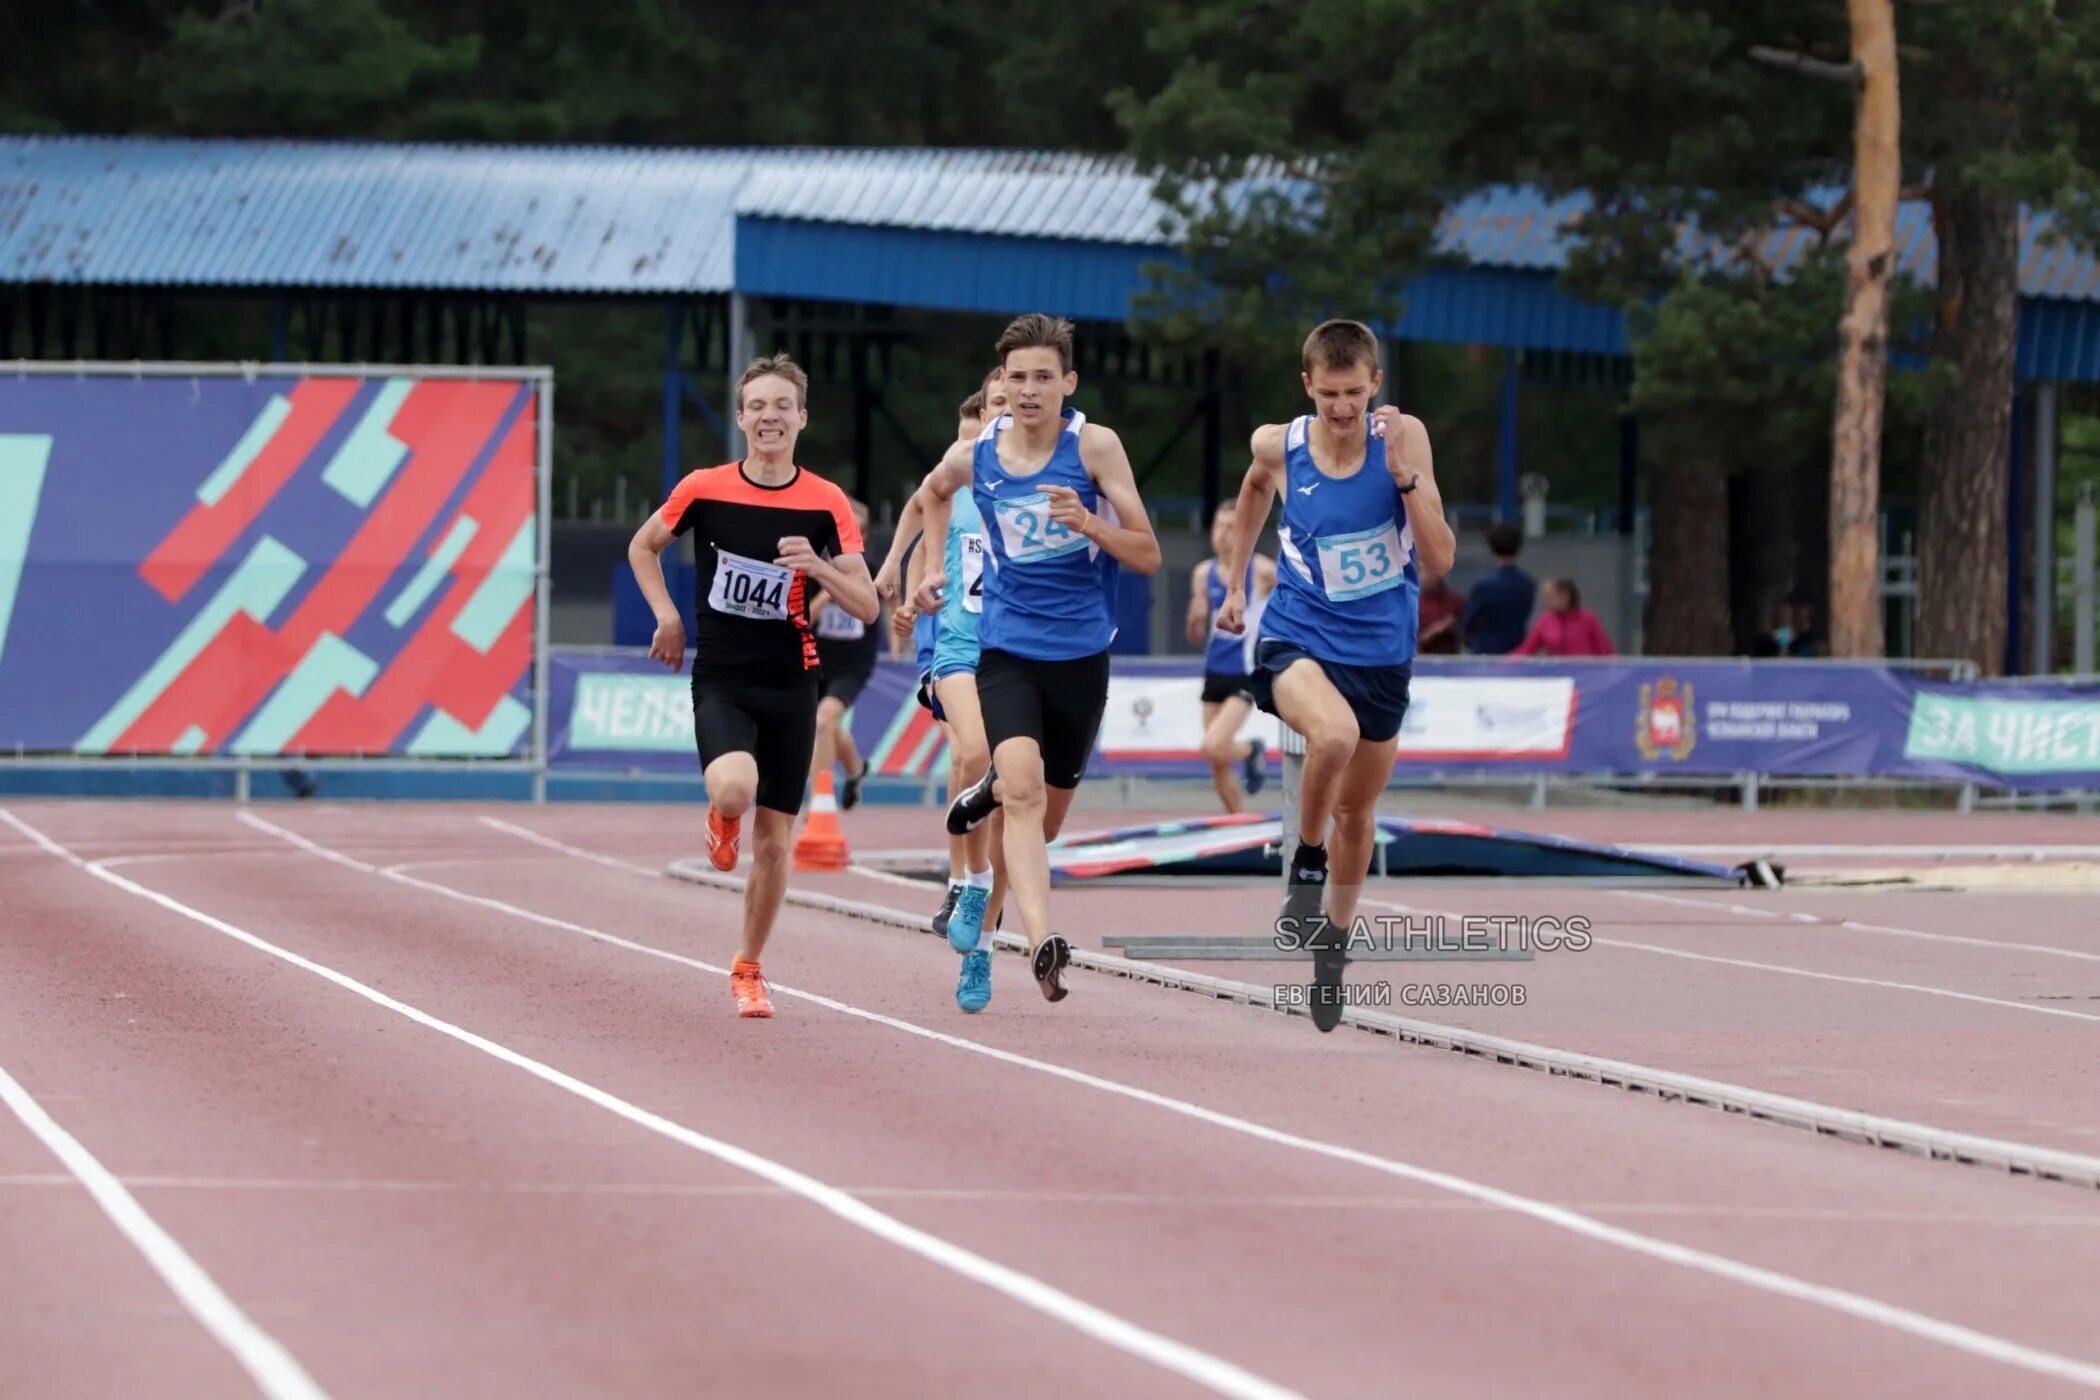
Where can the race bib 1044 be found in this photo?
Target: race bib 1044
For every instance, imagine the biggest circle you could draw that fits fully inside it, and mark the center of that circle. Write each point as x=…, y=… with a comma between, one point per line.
x=1028, y=532
x=753, y=588
x=973, y=547
x=1361, y=563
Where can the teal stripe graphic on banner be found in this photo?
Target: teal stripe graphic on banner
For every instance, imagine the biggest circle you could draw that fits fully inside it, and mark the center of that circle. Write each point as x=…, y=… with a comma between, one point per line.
x=507, y=588
x=417, y=593
x=246, y=450
x=445, y=737
x=23, y=458
x=369, y=457
x=256, y=588
x=330, y=664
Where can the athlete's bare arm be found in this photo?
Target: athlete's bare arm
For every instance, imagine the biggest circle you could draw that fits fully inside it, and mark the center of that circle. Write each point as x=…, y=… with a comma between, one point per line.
x=1406, y=453
x=1199, y=605
x=645, y=557
x=1257, y=493
x=1132, y=542
x=888, y=576
x=936, y=500
x=845, y=579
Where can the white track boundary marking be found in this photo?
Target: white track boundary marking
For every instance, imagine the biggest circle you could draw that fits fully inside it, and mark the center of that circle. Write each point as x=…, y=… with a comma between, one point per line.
x=262, y=1356
x=1877, y=1130
x=1917, y=1324
x=1211, y=1372
x=1799, y=916
x=1781, y=968
x=1749, y=849
x=995, y=1195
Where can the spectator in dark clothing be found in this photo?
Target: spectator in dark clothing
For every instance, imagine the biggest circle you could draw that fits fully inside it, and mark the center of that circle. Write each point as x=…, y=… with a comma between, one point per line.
x=1499, y=607
x=1440, y=607
x=1792, y=632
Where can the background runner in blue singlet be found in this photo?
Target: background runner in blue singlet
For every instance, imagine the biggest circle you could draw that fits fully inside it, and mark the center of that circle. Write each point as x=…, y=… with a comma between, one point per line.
x=1336, y=645
x=1227, y=660
x=1054, y=491
x=949, y=675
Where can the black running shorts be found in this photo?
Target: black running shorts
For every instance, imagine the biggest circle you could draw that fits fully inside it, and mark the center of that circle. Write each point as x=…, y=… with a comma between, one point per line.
x=1056, y=703
x=775, y=724
x=1220, y=686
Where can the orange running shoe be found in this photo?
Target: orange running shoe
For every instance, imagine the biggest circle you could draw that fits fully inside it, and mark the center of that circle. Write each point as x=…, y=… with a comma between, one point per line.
x=723, y=839
x=748, y=985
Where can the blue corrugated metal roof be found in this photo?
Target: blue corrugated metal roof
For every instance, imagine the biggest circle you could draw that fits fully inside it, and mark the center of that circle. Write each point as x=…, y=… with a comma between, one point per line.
x=145, y=211
x=141, y=211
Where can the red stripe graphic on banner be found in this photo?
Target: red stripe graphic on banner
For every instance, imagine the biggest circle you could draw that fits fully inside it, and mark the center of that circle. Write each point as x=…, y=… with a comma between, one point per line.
x=436, y=666
x=203, y=536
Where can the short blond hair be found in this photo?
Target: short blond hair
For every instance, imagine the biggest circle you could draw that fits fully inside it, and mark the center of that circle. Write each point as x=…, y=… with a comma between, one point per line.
x=783, y=365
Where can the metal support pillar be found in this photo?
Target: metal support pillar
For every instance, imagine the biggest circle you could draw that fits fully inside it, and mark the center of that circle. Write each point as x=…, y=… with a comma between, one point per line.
x=2082, y=582
x=2015, y=525
x=2044, y=529
x=1293, y=778
x=1506, y=435
x=739, y=355
x=674, y=326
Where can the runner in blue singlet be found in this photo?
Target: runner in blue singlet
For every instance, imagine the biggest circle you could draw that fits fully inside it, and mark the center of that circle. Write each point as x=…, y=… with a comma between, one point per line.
x=1227, y=660
x=1362, y=523
x=948, y=683
x=1055, y=493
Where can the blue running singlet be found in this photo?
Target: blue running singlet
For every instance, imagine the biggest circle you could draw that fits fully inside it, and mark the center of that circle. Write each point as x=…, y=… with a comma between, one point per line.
x=1230, y=655
x=955, y=646
x=1346, y=585
x=1049, y=594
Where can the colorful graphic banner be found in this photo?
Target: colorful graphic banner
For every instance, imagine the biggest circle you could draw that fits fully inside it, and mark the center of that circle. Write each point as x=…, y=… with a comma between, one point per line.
x=612, y=710
x=274, y=566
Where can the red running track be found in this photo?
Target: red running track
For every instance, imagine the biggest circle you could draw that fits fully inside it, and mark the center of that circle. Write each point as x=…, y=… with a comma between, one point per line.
x=408, y=1213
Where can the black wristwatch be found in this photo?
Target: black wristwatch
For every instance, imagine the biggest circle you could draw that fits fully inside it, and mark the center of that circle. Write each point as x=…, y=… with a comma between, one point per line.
x=1412, y=483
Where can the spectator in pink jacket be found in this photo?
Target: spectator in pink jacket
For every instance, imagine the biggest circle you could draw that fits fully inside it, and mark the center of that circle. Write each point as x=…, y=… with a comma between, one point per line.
x=1566, y=627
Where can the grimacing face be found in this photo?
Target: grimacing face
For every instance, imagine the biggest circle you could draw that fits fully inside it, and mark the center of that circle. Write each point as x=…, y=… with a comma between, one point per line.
x=1221, y=529
x=1342, y=397
x=771, y=415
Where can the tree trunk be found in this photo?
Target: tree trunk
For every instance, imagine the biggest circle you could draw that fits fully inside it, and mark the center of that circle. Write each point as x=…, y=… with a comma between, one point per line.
x=1688, y=611
x=1855, y=459
x=1968, y=437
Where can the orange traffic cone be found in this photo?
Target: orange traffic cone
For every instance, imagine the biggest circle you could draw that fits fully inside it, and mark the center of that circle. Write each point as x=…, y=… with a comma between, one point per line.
x=822, y=846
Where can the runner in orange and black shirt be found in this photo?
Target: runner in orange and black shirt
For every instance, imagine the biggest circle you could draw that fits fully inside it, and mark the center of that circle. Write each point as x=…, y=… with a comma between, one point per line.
x=766, y=536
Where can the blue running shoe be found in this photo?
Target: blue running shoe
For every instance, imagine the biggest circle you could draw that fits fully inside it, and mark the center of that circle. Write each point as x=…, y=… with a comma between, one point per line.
x=966, y=924
x=1254, y=769
x=973, y=990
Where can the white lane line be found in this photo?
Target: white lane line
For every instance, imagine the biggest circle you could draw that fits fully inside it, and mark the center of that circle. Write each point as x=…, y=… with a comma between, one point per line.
x=889, y=878
x=1798, y=916
x=1753, y=848
x=1212, y=1372
x=1015, y=1195
x=1856, y=1305
x=264, y=1358
x=1783, y=969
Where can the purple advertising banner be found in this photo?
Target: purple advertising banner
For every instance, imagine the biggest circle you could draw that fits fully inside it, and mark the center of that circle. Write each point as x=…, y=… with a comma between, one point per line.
x=619, y=711
x=315, y=563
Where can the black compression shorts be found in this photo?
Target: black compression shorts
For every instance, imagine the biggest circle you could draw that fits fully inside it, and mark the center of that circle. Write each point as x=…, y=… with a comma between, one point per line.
x=775, y=724
x=844, y=683
x=1056, y=703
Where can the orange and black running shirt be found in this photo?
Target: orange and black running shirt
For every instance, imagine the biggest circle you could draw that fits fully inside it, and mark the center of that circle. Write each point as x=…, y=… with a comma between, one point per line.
x=751, y=615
